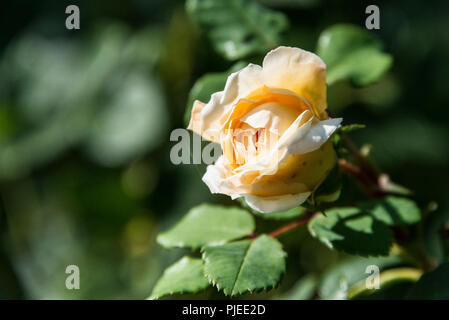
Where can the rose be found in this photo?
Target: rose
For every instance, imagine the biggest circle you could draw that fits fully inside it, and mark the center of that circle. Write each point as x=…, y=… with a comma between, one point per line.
x=273, y=128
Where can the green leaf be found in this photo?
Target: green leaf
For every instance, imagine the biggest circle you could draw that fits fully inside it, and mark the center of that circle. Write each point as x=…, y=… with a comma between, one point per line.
x=208, y=224
x=238, y=28
x=329, y=190
x=336, y=281
x=282, y=215
x=393, y=210
x=184, y=276
x=247, y=265
x=208, y=84
x=352, y=53
x=353, y=231
x=433, y=285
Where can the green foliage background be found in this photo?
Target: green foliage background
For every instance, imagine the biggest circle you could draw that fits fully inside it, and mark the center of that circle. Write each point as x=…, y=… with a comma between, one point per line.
x=85, y=119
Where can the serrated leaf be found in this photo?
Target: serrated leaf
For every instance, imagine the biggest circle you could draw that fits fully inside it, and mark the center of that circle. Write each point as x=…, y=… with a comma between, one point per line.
x=208, y=224
x=353, y=231
x=329, y=190
x=352, y=53
x=339, y=277
x=208, y=84
x=184, y=276
x=247, y=265
x=433, y=285
x=393, y=210
x=238, y=28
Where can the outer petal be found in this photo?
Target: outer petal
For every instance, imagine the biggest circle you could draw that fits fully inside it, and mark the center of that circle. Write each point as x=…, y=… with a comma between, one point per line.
x=214, y=177
x=276, y=203
x=299, y=71
x=214, y=114
x=195, y=123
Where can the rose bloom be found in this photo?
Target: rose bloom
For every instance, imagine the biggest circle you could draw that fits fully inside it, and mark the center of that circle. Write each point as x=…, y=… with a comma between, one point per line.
x=273, y=128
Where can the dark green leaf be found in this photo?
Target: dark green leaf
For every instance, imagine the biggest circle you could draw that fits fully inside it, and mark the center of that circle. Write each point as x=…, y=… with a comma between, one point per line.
x=352, y=53
x=238, y=28
x=352, y=231
x=247, y=265
x=329, y=189
x=393, y=210
x=208, y=224
x=433, y=285
x=184, y=276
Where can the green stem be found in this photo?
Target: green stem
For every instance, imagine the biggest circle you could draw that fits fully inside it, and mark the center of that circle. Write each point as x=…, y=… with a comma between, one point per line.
x=386, y=278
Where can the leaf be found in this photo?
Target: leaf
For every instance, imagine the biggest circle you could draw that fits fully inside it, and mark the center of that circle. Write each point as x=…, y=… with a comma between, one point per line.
x=393, y=210
x=329, y=190
x=353, y=231
x=208, y=84
x=433, y=285
x=72, y=103
x=352, y=53
x=184, y=276
x=208, y=224
x=291, y=3
x=283, y=215
x=246, y=265
x=339, y=277
x=238, y=28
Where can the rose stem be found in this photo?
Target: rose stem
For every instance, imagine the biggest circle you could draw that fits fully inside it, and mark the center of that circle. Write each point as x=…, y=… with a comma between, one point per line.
x=291, y=226
x=356, y=172
x=364, y=172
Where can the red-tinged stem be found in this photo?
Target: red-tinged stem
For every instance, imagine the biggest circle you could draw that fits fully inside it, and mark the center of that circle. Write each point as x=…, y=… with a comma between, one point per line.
x=292, y=225
x=364, y=171
x=365, y=166
x=356, y=172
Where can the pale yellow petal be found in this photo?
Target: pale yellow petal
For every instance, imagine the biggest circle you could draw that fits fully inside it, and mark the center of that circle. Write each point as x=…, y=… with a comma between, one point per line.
x=299, y=71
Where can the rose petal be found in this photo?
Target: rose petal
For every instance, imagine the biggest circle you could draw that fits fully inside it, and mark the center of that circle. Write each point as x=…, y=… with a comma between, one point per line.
x=315, y=137
x=217, y=110
x=299, y=71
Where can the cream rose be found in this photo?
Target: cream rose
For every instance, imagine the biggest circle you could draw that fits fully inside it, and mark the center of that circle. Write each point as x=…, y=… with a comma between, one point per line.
x=272, y=125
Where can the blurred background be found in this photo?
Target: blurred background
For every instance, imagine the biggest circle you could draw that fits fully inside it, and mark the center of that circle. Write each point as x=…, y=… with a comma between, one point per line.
x=86, y=115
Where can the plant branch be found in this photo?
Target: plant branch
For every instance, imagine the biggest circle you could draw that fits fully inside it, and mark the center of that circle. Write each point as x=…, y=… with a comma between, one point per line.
x=292, y=225
x=369, y=187
x=375, y=183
